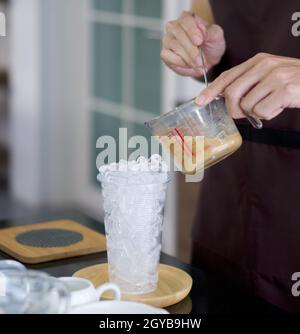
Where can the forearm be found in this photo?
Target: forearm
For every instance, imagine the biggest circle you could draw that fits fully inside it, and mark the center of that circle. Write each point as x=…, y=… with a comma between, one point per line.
x=203, y=9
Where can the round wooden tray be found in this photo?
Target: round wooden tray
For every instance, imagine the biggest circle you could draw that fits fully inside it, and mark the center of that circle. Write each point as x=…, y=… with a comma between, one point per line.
x=173, y=285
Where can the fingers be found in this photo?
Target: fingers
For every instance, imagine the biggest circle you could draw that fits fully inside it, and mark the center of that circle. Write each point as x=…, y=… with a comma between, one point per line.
x=191, y=72
x=238, y=88
x=172, y=58
x=255, y=95
x=214, y=33
x=172, y=44
x=175, y=63
x=179, y=41
x=194, y=30
x=264, y=85
x=270, y=106
x=219, y=85
x=183, y=37
x=182, y=40
x=273, y=104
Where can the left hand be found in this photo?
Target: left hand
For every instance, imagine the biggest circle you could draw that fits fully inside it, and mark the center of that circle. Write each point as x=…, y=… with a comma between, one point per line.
x=264, y=85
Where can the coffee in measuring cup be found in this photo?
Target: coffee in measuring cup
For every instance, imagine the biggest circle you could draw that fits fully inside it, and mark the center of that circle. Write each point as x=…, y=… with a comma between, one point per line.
x=179, y=132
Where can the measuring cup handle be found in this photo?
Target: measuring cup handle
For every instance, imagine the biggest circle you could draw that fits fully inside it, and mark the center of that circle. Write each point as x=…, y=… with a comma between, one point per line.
x=254, y=120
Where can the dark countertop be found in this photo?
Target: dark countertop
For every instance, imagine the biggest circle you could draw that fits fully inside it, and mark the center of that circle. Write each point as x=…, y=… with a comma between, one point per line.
x=209, y=295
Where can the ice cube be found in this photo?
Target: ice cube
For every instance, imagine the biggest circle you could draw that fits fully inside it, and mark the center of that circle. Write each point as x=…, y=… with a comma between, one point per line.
x=141, y=160
x=103, y=169
x=155, y=158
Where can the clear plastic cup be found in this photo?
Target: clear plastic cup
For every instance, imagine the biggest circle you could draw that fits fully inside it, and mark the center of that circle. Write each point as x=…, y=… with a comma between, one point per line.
x=47, y=295
x=133, y=204
x=212, y=122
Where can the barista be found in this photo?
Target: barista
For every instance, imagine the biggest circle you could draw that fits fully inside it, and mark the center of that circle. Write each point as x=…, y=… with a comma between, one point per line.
x=247, y=226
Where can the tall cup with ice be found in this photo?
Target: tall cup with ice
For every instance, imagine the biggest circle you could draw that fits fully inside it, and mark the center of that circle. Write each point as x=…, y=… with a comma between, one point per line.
x=134, y=195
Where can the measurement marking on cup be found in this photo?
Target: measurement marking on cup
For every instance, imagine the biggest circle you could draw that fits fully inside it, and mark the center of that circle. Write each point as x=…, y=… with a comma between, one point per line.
x=179, y=134
x=184, y=143
x=175, y=134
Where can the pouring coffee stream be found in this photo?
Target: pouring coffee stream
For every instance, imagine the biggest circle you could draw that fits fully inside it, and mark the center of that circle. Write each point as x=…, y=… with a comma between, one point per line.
x=252, y=118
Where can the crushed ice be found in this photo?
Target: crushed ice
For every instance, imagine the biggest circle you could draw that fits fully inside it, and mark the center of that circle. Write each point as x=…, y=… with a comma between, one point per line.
x=142, y=170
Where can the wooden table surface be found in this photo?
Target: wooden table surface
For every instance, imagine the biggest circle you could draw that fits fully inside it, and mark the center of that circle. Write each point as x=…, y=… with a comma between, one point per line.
x=209, y=295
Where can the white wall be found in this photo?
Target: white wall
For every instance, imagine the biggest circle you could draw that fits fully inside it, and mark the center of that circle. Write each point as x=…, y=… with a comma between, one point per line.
x=38, y=114
x=26, y=113
x=54, y=81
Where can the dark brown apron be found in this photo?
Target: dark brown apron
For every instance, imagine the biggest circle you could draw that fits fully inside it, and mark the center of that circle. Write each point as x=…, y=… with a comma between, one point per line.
x=248, y=221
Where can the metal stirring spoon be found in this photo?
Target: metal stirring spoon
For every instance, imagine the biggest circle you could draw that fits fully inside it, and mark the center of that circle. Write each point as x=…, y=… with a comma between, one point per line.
x=252, y=118
x=205, y=80
x=204, y=67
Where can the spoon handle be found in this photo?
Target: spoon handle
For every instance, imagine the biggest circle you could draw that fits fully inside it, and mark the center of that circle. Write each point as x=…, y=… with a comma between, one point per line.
x=204, y=67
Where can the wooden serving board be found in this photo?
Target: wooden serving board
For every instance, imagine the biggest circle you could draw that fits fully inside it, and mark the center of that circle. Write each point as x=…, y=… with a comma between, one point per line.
x=173, y=285
x=92, y=242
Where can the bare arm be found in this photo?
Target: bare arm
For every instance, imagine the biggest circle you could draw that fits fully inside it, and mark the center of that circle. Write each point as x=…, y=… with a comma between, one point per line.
x=202, y=9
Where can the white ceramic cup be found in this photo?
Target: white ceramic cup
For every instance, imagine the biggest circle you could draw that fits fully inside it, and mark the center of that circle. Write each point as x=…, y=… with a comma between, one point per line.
x=117, y=307
x=83, y=292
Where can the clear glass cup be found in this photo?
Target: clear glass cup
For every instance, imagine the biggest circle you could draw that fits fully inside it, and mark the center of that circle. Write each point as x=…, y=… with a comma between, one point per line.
x=212, y=122
x=32, y=292
x=47, y=295
x=133, y=204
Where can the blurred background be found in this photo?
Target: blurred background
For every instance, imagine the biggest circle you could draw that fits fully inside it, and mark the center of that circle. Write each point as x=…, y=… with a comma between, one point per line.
x=74, y=70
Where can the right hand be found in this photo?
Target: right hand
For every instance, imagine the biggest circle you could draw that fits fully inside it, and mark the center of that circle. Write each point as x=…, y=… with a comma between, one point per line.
x=181, y=44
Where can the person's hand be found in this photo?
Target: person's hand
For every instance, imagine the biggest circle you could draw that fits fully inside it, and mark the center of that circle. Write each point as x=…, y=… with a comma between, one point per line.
x=264, y=85
x=182, y=40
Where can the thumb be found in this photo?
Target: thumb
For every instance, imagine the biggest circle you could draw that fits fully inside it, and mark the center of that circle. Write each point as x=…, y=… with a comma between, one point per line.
x=214, y=33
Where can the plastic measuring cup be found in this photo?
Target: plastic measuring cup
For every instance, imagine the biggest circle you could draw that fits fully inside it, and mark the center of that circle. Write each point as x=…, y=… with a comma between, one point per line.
x=189, y=121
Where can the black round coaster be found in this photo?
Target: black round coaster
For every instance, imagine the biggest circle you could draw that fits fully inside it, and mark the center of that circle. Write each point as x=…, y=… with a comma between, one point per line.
x=49, y=238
